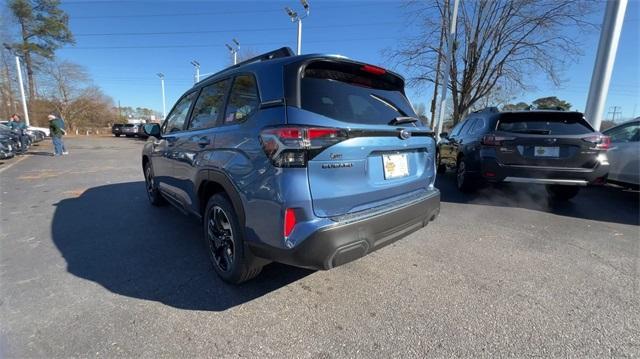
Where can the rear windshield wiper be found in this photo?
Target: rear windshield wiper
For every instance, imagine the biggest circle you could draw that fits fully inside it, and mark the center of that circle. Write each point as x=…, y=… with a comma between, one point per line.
x=402, y=120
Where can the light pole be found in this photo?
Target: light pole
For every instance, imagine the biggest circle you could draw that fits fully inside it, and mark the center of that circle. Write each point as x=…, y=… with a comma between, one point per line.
x=164, y=106
x=19, y=71
x=295, y=17
x=605, y=58
x=234, y=51
x=196, y=64
x=446, y=62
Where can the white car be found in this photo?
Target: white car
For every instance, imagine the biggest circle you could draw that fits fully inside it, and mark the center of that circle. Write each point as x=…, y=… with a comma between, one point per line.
x=624, y=154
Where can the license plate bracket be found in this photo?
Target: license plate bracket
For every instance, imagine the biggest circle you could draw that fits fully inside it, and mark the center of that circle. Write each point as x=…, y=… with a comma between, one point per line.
x=395, y=165
x=546, y=151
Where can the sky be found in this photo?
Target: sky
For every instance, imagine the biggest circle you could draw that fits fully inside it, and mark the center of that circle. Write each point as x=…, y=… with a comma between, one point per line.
x=124, y=63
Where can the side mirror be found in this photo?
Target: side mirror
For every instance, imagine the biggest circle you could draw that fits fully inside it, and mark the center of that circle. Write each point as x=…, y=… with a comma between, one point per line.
x=152, y=129
x=444, y=135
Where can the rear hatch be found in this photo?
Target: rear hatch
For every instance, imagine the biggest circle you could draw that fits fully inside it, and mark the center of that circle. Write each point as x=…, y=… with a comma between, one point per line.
x=381, y=154
x=547, y=139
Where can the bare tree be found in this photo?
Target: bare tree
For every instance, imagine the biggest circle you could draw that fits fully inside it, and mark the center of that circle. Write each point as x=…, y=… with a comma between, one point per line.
x=497, y=43
x=69, y=92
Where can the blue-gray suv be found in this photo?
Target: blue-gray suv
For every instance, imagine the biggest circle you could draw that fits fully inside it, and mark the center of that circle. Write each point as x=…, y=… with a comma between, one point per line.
x=312, y=161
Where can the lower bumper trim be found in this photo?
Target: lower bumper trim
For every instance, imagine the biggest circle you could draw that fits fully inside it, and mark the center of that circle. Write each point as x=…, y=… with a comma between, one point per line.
x=566, y=182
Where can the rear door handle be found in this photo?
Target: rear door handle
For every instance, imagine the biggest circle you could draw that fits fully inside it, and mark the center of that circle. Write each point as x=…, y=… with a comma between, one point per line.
x=204, y=141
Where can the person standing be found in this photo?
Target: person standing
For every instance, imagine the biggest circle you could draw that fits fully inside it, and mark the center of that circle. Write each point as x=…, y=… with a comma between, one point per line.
x=56, y=127
x=19, y=127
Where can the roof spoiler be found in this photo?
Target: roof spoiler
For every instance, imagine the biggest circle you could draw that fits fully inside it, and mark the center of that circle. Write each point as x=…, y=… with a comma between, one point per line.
x=275, y=54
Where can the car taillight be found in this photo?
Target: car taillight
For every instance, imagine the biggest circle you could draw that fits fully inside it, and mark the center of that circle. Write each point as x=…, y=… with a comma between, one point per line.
x=493, y=140
x=289, y=221
x=602, y=142
x=374, y=70
x=294, y=146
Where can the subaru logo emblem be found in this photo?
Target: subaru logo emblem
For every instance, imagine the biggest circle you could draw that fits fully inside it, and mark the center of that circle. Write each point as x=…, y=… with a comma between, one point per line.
x=404, y=134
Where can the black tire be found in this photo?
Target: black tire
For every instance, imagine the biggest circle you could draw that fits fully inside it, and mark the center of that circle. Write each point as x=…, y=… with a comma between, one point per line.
x=562, y=193
x=153, y=194
x=117, y=135
x=224, y=241
x=464, y=181
x=440, y=168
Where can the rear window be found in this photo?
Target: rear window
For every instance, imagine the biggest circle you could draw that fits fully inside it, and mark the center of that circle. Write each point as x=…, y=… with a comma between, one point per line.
x=128, y=125
x=571, y=123
x=345, y=92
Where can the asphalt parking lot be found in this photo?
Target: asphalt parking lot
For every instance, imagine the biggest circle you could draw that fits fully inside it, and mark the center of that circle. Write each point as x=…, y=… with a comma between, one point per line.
x=89, y=268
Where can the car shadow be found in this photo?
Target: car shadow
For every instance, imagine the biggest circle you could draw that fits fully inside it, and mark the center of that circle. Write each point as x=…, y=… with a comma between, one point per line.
x=112, y=236
x=602, y=203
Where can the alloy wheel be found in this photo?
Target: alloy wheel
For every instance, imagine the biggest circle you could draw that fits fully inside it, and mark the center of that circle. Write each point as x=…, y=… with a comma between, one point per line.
x=220, y=239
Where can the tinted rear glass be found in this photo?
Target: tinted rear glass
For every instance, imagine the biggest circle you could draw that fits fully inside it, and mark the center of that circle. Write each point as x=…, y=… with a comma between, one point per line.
x=345, y=93
x=544, y=123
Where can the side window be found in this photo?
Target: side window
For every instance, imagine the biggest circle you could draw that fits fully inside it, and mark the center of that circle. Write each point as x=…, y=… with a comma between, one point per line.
x=468, y=129
x=478, y=127
x=456, y=129
x=208, y=106
x=628, y=133
x=243, y=99
x=175, y=120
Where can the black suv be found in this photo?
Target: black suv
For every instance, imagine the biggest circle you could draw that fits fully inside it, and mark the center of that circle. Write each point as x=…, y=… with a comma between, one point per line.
x=556, y=148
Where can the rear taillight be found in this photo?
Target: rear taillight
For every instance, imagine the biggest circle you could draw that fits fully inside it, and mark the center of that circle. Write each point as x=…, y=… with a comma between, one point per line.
x=294, y=146
x=602, y=142
x=375, y=70
x=289, y=221
x=493, y=140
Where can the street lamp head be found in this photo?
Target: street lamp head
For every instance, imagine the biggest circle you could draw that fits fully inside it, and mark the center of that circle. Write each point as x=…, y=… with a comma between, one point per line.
x=195, y=63
x=236, y=42
x=160, y=75
x=229, y=47
x=7, y=46
x=292, y=14
x=305, y=5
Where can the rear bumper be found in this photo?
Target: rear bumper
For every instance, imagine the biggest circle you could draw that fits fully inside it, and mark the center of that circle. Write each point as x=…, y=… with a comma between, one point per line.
x=493, y=171
x=341, y=243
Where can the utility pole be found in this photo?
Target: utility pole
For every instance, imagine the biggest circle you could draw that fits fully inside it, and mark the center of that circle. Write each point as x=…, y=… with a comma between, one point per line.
x=298, y=18
x=613, y=111
x=164, y=105
x=196, y=64
x=20, y=83
x=447, y=62
x=605, y=58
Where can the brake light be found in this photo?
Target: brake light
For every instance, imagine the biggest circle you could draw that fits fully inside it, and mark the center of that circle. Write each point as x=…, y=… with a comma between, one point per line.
x=493, y=140
x=294, y=146
x=289, y=221
x=602, y=142
x=375, y=70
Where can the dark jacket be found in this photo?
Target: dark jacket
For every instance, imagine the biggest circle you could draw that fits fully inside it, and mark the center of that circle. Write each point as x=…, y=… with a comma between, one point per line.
x=56, y=126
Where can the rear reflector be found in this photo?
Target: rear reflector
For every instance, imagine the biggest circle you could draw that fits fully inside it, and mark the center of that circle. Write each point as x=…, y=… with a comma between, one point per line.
x=289, y=221
x=375, y=70
x=489, y=174
x=492, y=140
x=602, y=142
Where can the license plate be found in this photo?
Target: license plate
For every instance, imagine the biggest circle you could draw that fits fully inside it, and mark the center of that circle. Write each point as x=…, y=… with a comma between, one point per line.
x=395, y=166
x=540, y=151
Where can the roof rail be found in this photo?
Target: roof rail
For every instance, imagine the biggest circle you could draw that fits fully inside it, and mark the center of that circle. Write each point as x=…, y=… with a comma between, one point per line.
x=487, y=109
x=281, y=52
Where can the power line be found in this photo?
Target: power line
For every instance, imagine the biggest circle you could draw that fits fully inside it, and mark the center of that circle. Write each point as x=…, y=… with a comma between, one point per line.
x=229, y=30
x=229, y=12
x=216, y=45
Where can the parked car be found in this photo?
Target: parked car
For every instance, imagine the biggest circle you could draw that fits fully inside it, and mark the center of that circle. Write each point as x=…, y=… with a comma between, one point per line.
x=141, y=133
x=556, y=148
x=624, y=154
x=6, y=148
x=12, y=138
x=312, y=160
x=116, y=129
x=130, y=130
x=35, y=135
x=31, y=128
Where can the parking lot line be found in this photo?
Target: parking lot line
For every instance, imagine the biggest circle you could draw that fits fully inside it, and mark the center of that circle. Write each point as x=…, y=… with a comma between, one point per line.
x=18, y=160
